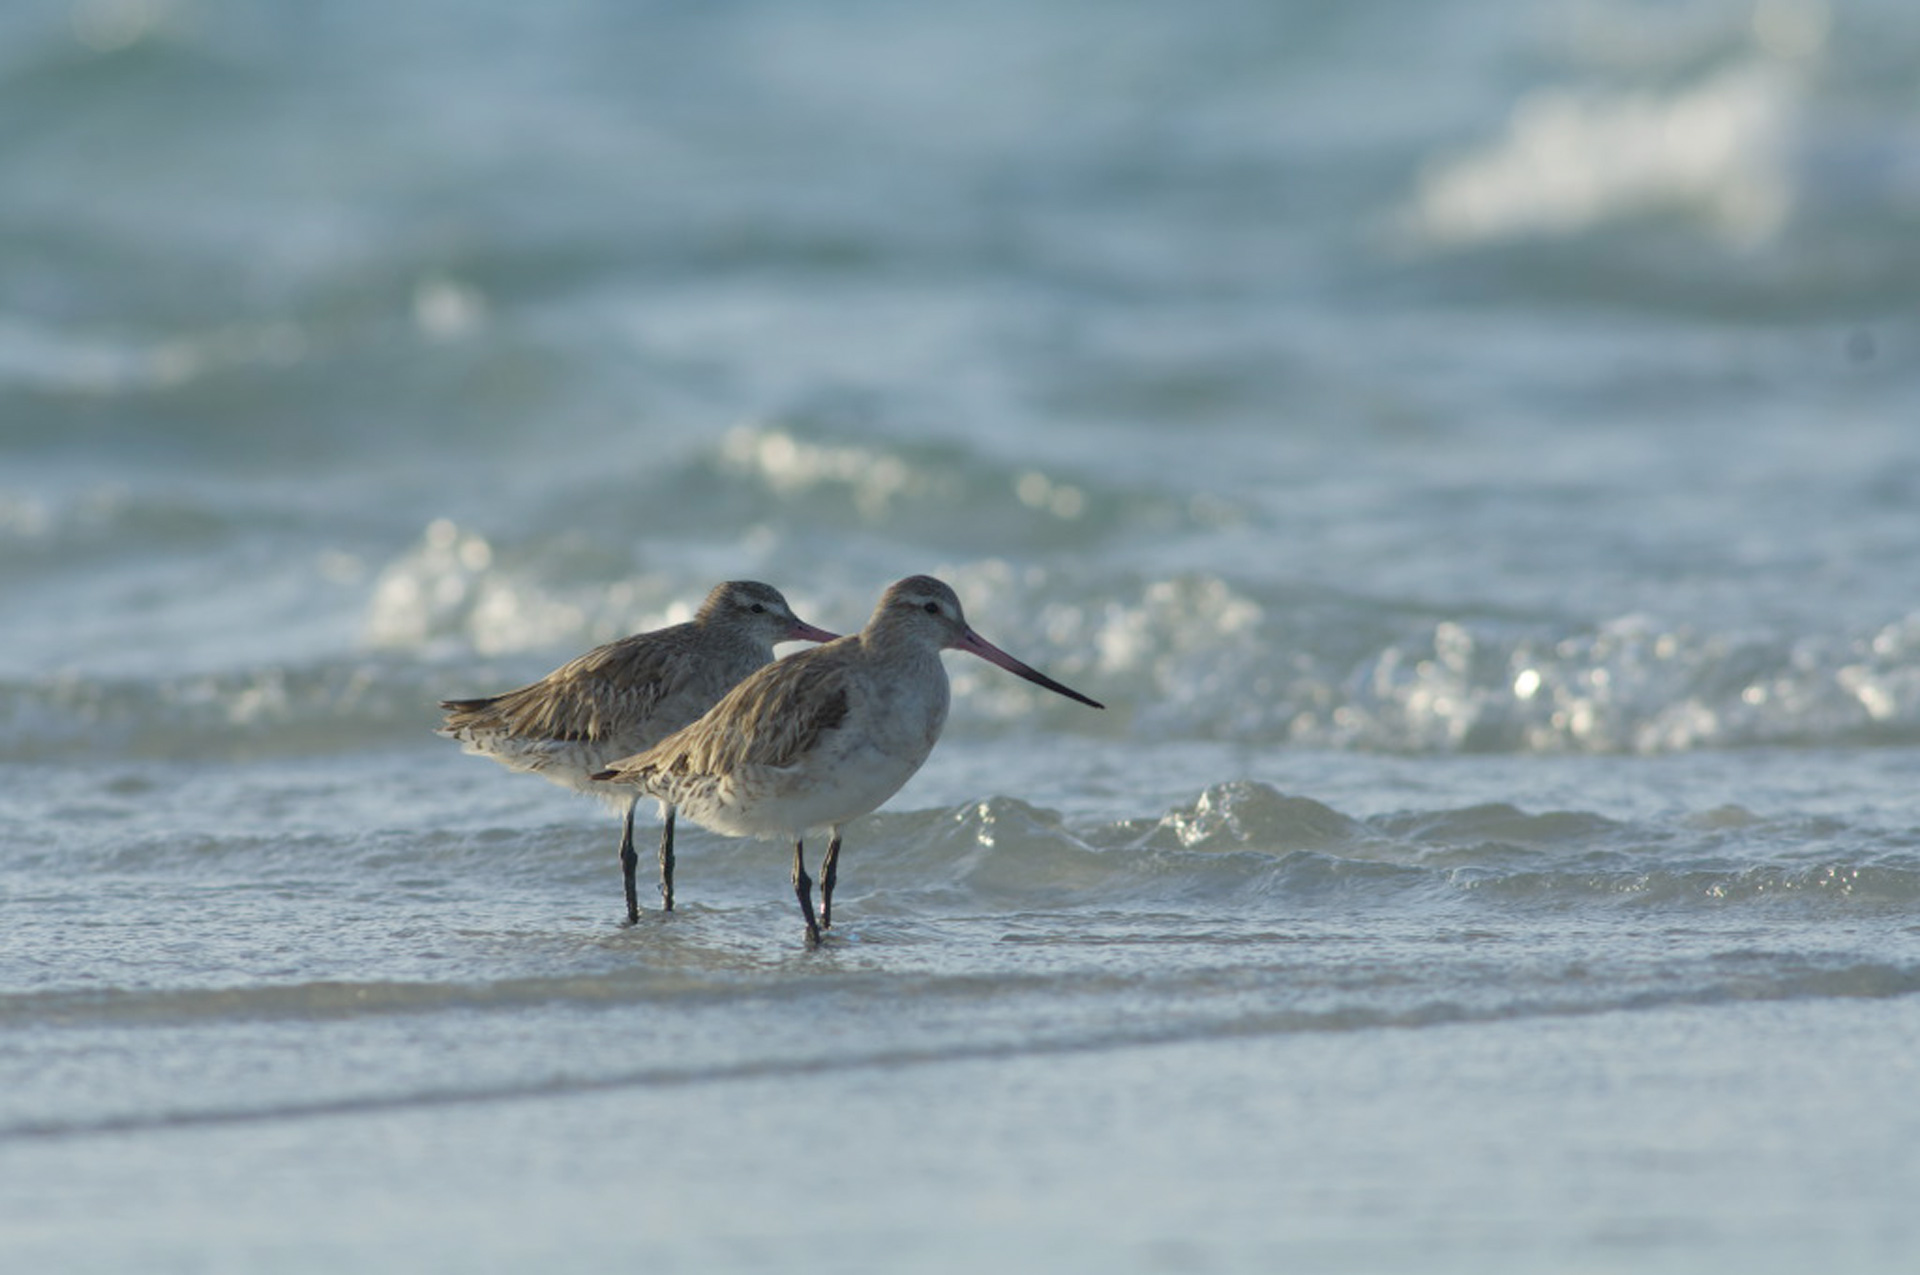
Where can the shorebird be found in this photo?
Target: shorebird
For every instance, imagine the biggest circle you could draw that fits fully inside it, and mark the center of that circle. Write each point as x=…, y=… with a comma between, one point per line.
x=626, y=696
x=823, y=736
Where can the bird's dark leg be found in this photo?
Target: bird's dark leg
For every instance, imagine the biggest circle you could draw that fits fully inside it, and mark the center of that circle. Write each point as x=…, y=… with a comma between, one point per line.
x=628, y=862
x=666, y=863
x=803, y=891
x=829, y=869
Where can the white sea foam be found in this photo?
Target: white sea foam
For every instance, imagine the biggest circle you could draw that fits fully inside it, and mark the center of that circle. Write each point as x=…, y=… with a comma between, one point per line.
x=1718, y=152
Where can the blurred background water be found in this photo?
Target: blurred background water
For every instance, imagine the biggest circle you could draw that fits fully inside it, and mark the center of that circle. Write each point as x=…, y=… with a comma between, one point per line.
x=1470, y=448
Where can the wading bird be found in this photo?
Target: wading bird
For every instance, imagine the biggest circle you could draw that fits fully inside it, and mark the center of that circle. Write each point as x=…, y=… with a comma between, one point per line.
x=824, y=736
x=626, y=696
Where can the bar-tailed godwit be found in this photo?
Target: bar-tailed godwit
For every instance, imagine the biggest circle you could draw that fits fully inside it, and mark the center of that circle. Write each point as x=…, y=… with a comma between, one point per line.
x=626, y=696
x=823, y=736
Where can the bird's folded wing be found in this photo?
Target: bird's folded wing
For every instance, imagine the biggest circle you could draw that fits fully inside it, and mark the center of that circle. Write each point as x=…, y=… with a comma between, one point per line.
x=771, y=719
x=587, y=698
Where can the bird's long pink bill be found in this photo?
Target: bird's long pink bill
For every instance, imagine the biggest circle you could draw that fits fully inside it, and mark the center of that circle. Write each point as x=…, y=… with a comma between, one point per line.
x=804, y=632
x=971, y=641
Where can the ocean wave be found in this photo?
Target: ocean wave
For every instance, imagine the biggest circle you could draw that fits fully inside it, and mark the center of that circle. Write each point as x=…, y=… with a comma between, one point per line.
x=1239, y=848
x=1574, y=160
x=61, y=530
x=1664, y=157
x=270, y=711
x=816, y=479
x=1194, y=655
x=1632, y=686
x=1189, y=657
x=1251, y=849
x=1198, y=657
x=448, y=589
x=819, y=511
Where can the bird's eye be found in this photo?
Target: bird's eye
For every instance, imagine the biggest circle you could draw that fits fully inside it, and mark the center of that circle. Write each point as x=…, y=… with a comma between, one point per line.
x=933, y=608
x=758, y=609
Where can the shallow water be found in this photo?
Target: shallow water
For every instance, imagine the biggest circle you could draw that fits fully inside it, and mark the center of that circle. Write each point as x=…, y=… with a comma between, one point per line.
x=1472, y=460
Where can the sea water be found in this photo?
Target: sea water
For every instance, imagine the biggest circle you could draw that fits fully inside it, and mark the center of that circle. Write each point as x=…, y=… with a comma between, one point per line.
x=1471, y=450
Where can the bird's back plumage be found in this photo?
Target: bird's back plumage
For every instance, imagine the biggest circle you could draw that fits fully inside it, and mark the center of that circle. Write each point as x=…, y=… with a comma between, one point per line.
x=625, y=696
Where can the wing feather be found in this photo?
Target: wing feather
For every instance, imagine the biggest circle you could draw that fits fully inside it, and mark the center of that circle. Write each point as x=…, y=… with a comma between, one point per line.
x=590, y=698
x=770, y=720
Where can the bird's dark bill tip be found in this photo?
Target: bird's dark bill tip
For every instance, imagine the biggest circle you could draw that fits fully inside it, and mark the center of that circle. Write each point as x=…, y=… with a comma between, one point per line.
x=1058, y=688
x=987, y=651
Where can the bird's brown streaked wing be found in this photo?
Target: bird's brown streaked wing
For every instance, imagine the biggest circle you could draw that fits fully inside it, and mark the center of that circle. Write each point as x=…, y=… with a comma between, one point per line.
x=771, y=719
x=588, y=698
